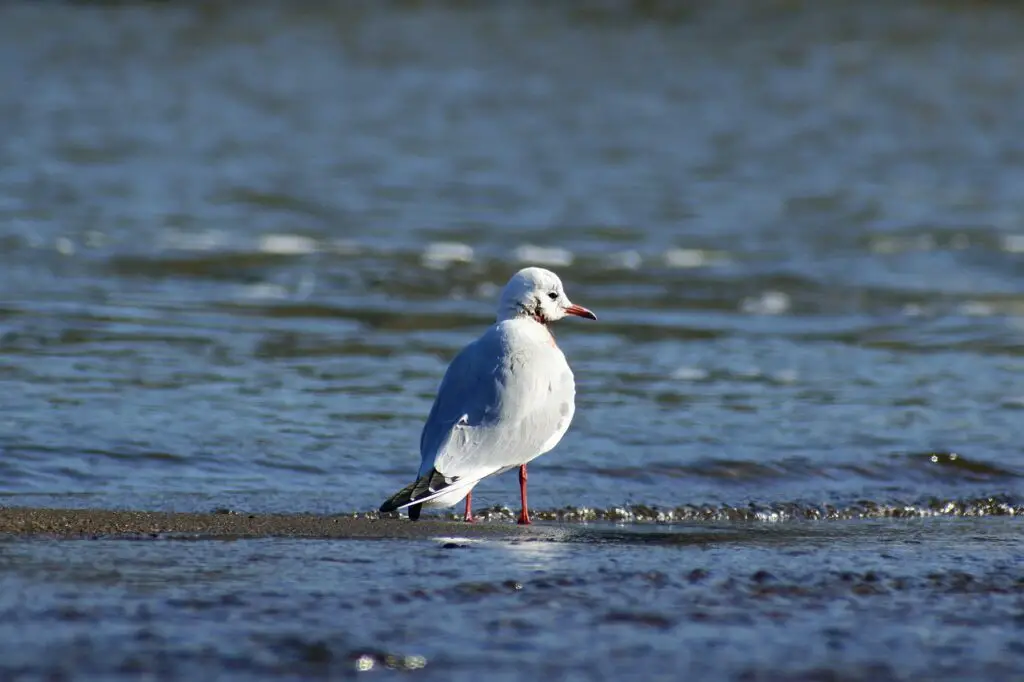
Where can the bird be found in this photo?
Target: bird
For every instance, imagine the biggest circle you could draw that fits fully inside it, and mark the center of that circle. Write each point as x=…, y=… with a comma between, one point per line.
x=505, y=399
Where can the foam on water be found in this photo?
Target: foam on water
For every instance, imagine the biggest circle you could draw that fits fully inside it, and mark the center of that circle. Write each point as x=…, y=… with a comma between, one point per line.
x=65, y=246
x=686, y=258
x=627, y=260
x=767, y=303
x=690, y=374
x=550, y=256
x=440, y=255
x=208, y=240
x=1014, y=243
x=288, y=244
x=771, y=513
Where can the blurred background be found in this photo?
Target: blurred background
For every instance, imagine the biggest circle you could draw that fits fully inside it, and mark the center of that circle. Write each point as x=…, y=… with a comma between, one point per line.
x=240, y=242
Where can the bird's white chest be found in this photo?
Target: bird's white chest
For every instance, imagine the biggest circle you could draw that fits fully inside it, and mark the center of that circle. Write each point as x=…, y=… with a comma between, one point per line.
x=561, y=398
x=540, y=389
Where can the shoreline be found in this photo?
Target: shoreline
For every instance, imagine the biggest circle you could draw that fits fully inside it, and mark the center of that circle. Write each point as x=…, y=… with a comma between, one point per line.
x=92, y=524
x=97, y=523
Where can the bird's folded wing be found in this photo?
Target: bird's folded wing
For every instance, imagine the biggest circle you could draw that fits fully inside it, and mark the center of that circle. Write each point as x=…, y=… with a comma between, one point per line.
x=496, y=408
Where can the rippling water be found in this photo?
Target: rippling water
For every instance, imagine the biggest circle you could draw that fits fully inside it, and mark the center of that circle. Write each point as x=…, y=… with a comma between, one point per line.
x=808, y=602
x=238, y=247
x=239, y=250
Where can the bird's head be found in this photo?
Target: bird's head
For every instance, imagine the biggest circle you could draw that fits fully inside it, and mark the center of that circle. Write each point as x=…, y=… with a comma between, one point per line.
x=538, y=293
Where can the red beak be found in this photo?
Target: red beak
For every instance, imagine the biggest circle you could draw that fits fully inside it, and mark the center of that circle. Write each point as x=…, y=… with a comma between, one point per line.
x=580, y=311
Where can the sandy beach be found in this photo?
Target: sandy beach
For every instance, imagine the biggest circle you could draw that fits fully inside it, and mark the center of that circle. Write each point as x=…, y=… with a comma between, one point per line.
x=87, y=523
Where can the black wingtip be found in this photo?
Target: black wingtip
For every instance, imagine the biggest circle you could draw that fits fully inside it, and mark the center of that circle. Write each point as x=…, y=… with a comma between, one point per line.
x=403, y=496
x=393, y=505
x=422, y=487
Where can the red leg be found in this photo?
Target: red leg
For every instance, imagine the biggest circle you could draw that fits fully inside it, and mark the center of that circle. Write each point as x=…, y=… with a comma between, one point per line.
x=469, y=508
x=524, y=516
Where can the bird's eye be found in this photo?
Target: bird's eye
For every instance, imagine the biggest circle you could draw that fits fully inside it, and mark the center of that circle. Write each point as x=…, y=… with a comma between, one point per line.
x=553, y=295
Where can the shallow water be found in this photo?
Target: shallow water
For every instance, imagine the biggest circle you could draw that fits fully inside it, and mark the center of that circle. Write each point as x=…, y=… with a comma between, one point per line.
x=879, y=600
x=238, y=246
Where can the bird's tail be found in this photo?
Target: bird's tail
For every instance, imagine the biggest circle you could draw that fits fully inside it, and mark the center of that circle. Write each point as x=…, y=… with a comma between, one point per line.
x=400, y=499
x=424, y=489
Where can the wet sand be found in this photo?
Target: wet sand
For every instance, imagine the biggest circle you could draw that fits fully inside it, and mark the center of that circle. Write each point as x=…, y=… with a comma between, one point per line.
x=88, y=523
x=846, y=599
x=496, y=523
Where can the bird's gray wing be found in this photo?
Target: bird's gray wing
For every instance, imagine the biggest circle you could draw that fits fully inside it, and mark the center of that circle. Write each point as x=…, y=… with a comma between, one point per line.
x=470, y=394
x=500, y=404
x=497, y=407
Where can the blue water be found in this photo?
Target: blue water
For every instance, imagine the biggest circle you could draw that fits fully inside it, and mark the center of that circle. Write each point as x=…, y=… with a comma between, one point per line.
x=239, y=245
x=936, y=599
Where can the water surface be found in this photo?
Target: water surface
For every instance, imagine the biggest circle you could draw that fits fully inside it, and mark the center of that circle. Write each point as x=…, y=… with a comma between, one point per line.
x=239, y=245
x=878, y=600
x=238, y=253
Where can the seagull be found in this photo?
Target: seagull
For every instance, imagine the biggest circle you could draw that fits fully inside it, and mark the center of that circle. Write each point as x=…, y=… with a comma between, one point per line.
x=506, y=398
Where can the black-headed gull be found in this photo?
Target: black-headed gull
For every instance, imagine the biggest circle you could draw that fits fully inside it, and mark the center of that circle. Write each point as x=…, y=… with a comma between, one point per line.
x=505, y=399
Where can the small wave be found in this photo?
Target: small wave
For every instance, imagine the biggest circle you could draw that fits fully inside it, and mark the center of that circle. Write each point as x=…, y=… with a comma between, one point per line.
x=543, y=255
x=690, y=374
x=64, y=246
x=34, y=340
x=975, y=309
x=280, y=464
x=1013, y=243
x=781, y=377
x=210, y=240
x=288, y=244
x=242, y=266
x=945, y=467
x=344, y=247
x=274, y=244
x=952, y=465
x=767, y=303
x=440, y=255
x=687, y=258
x=765, y=513
x=625, y=260
x=895, y=244
x=263, y=291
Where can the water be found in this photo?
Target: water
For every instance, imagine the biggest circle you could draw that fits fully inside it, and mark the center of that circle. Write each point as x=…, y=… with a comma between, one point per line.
x=801, y=601
x=238, y=247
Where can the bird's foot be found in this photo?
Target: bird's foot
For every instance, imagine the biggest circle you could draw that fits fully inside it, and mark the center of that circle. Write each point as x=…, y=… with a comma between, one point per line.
x=524, y=520
x=469, y=518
